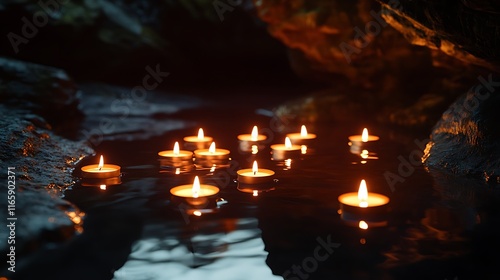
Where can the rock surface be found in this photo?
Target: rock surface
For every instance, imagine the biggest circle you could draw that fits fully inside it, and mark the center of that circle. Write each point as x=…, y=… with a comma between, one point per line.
x=467, y=30
x=43, y=160
x=465, y=140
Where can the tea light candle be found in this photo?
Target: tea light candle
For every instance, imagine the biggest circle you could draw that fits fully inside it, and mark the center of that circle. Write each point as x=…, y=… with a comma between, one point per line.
x=195, y=194
x=176, y=155
x=101, y=170
x=251, y=142
x=302, y=137
x=363, y=138
x=287, y=150
x=198, y=142
x=255, y=175
x=212, y=153
x=362, y=205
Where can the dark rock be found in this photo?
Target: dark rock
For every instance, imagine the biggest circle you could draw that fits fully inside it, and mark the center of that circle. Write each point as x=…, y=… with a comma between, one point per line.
x=465, y=140
x=467, y=30
x=45, y=91
x=43, y=165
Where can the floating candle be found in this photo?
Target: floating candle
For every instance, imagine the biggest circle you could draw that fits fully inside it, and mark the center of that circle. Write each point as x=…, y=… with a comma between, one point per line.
x=198, y=142
x=302, y=137
x=363, y=138
x=284, y=151
x=176, y=154
x=212, y=153
x=255, y=175
x=364, y=206
x=251, y=142
x=362, y=199
x=195, y=194
x=101, y=170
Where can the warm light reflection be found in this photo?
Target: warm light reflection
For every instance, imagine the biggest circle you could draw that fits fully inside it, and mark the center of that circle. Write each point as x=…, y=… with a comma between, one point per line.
x=212, y=148
x=201, y=135
x=288, y=163
x=303, y=131
x=196, y=187
x=363, y=225
x=101, y=163
x=102, y=187
x=255, y=149
x=177, y=171
x=303, y=149
x=176, y=148
x=364, y=154
x=197, y=213
x=255, y=168
x=288, y=143
x=364, y=136
x=214, y=166
x=255, y=193
x=255, y=134
x=363, y=194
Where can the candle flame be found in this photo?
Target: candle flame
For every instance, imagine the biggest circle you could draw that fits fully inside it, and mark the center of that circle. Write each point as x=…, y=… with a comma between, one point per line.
x=255, y=134
x=201, y=135
x=255, y=193
x=101, y=163
x=303, y=131
x=288, y=143
x=255, y=168
x=102, y=187
x=197, y=213
x=363, y=225
x=212, y=148
x=363, y=194
x=364, y=136
x=176, y=149
x=196, y=187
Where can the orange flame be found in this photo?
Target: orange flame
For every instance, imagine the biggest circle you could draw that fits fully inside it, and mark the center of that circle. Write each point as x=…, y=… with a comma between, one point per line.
x=255, y=134
x=196, y=187
x=363, y=194
x=201, y=135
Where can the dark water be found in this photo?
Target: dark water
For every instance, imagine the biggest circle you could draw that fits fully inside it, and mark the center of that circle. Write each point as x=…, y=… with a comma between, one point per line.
x=438, y=227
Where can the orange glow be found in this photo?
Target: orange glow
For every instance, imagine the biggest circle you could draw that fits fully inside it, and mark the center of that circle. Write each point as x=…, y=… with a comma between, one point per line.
x=201, y=135
x=212, y=148
x=196, y=187
x=255, y=193
x=176, y=148
x=101, y=163
x=364, y=136
x=255, y=168
x=288, y=143
x=363, y=225
x=255, y=134
x=364, y=154
x=363, y=194
x=303, y=131
x=102, y=187
x=303, y=149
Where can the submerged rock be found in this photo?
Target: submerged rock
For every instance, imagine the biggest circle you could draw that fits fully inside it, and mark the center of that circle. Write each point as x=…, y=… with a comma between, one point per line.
x=465, y=140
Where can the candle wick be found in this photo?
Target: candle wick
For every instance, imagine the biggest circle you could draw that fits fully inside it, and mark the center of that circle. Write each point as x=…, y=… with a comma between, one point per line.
x=255, y=173
x=100, y=168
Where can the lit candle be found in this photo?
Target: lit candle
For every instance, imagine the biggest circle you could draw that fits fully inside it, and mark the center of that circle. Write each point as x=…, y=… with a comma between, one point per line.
x=301, y=138
x=212, y=153
x=255, y=175
x=363, y=138
x=364, y=206
x=251, y=142
x=287, y=150
x=101, y=170
x=199, y=141
x=176, y=155
x=195, y=194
